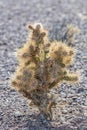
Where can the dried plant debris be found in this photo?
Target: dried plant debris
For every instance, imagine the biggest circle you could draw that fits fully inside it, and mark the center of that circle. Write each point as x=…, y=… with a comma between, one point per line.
x=43, y=65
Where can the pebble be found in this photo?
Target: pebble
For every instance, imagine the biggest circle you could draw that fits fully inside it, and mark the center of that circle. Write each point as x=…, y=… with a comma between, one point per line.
x=17, y=114
x=80, y=90
x=64, y=111
x=63, y=95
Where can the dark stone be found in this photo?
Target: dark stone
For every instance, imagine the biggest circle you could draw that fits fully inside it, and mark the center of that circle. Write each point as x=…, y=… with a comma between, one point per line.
x=80, y=90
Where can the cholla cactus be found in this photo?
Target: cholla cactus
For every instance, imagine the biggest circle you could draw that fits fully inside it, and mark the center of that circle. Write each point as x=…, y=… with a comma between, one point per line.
x=70, y=34
x=42, y=65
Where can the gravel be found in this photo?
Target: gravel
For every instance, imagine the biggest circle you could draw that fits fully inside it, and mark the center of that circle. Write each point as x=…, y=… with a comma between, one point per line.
x=15, y=113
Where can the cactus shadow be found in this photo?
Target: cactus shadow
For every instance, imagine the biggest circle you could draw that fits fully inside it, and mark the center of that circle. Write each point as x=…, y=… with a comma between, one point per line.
x=39, y=122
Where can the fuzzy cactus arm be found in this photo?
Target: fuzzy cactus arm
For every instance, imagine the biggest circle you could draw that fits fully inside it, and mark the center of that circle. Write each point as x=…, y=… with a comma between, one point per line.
x=71, y=77
x=54, y=83
x=70, y=34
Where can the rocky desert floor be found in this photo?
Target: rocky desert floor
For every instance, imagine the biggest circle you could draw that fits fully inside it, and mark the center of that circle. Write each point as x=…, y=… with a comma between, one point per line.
x=55, y=15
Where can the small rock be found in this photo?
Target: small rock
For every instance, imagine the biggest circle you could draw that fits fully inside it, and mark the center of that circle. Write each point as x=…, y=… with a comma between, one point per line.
x=64, y=111
x=1, y=118
x=70, y=111
x=83, y=127
x=80, y=90
x=63, y=94
x=17, y=114
x=74, y=99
